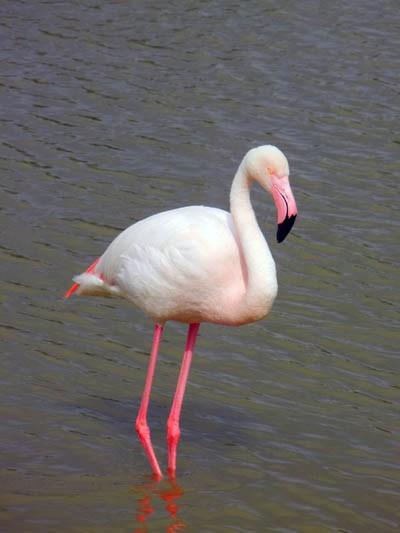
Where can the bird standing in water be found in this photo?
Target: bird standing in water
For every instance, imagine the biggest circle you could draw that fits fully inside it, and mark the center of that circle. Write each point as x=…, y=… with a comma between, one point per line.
x=196, y=264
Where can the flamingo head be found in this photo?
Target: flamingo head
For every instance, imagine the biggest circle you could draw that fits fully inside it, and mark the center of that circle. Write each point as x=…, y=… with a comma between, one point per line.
x=269, y=166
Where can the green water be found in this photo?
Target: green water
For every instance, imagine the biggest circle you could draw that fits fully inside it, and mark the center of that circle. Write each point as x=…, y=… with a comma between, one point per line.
x=113, y=111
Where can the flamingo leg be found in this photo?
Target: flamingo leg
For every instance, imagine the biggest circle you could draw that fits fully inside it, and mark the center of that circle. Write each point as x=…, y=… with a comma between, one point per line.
x=173, y=429
x=141, y=425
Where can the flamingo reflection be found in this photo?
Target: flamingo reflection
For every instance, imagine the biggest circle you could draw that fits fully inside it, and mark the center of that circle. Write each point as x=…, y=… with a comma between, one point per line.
x=169, y=492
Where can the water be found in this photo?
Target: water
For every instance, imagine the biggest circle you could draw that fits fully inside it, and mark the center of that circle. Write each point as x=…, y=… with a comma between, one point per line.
x=113, y=111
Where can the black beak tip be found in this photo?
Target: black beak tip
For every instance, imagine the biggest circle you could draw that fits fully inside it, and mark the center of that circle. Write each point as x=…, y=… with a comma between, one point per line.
x=284, y=228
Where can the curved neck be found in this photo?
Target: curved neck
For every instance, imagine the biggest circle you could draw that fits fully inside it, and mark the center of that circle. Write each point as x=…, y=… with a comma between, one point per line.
x=260, y=272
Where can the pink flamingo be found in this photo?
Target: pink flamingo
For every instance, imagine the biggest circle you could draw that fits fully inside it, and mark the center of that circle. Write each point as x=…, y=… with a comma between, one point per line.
x=196, y=264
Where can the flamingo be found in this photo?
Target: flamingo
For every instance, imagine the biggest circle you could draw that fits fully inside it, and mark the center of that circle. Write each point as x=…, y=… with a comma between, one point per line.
x=196, y=264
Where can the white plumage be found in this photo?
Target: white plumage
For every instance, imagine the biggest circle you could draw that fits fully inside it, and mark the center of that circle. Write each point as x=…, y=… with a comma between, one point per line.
x=185, y=264
x=197, y=264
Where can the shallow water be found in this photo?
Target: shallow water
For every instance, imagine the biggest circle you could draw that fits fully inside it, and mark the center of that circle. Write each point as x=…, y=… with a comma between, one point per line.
x=113, y=111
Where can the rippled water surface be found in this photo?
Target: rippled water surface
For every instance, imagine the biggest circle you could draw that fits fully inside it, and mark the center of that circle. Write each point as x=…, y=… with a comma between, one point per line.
x=112, y=111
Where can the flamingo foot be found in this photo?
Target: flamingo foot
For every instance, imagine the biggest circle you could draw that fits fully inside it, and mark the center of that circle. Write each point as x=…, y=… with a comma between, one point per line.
x=173, y=436
x=143, y=432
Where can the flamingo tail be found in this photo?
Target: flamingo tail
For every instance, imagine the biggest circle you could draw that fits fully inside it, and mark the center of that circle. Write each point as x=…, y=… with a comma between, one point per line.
x=75, y=286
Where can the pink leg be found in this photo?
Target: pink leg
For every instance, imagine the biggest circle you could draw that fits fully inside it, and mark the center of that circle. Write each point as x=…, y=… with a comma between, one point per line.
x=142, y=427
x=173, y=430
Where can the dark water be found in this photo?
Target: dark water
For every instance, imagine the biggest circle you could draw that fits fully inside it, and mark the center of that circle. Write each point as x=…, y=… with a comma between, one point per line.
x=112, y=111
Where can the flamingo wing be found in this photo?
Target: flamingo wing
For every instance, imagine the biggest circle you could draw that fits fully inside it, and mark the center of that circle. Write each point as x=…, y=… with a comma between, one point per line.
x=169, y=264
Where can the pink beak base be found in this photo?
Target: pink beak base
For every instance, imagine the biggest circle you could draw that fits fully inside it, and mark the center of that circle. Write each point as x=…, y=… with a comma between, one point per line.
x=286, y=209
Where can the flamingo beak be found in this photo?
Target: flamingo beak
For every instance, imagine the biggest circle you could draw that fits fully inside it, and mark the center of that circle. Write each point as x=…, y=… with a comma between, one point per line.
x=285, y=203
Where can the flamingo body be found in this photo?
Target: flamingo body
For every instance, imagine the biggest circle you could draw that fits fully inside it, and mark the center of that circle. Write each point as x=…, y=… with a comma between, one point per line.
x=185, y=265
x=196, y=264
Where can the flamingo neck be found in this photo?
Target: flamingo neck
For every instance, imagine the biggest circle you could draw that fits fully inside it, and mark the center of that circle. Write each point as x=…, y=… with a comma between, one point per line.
x=259, y=265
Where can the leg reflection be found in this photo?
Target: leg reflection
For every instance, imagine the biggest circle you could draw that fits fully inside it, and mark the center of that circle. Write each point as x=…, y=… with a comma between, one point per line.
x=169, y=492
x=171, y=495
x=145, y=509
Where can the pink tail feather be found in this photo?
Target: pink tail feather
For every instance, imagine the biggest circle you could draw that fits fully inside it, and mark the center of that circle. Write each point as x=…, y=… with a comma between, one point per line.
x=75, y=286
